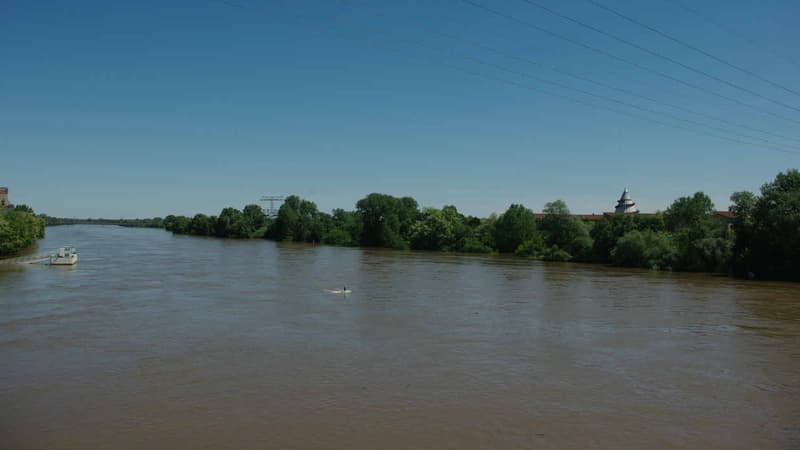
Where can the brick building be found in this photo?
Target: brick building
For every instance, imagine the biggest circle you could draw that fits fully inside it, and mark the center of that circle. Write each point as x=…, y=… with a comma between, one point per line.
x=4, y=203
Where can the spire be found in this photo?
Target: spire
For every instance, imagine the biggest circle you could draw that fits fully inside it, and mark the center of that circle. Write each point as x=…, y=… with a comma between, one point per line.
x=625, y=205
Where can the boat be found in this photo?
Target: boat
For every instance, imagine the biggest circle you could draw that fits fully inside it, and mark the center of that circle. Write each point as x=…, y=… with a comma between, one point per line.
x=66, y=256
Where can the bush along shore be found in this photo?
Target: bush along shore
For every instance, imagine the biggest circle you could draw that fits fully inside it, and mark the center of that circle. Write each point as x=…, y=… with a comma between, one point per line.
x=763, y=241
x=155, y=222
x=19, y=229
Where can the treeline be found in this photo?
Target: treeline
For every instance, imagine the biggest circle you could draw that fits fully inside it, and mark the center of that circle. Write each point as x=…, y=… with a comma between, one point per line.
x=768, y=229
x=19, y=229
x=688, y=235
x=251, y=222
x=155, y=222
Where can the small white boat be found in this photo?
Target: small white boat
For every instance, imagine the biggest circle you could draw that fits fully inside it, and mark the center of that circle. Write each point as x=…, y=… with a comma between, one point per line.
x=66, y=256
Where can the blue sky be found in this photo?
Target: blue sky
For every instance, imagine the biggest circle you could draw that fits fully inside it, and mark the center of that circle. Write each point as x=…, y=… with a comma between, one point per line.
x=139, y=109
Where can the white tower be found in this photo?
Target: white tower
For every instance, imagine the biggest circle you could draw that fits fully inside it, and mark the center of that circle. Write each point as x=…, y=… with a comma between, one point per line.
x=625, y=205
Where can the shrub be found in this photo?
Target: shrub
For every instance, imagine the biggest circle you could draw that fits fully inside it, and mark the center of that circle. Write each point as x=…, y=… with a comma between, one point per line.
x=474, y=245
x=556, y=254
x=647, y=249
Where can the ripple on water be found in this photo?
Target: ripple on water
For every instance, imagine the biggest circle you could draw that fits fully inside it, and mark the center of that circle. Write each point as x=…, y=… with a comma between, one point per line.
x=154, y=338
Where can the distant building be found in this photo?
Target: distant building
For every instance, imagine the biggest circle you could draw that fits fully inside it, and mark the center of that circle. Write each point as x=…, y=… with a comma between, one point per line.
x=728, y=217
x=625, y=204
x=4, y=203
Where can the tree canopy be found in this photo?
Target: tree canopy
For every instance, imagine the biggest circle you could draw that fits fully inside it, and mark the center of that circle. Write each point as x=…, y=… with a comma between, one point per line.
x=387, y=220
x=19, y=229
x=515, y=227
x=768, y=239
x=566, y=236
x=689, y=235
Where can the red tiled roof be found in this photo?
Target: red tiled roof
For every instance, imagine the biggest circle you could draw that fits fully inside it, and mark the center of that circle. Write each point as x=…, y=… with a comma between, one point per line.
x=589, y=216
x=539, y=216
x=595, y=216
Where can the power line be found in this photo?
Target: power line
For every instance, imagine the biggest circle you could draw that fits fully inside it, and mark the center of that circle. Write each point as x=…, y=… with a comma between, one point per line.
x=784, y=148
x=596, y=82
x=626, y=61
x=317, y=28
x=587, y=93
x=575, y=100
x=689, y=46
x=732, y=32
x=229, y=3
x=657, y=54
x=564, y=86
x=596, y=106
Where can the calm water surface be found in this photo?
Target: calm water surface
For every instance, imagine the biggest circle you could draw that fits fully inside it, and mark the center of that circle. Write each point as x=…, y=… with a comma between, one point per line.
x=161, y=341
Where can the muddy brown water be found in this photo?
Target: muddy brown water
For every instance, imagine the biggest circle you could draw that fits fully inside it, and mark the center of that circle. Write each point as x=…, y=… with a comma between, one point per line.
x=161, y=341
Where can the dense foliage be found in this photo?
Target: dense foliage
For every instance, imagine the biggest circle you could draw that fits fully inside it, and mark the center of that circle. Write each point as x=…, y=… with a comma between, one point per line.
x=387, y=220
x=155, y=222
x=516, y=229
x=768, y=230
x=248, y=223
x=647, y=249
x=689, y=235
x=567, y=237
x=19, y=229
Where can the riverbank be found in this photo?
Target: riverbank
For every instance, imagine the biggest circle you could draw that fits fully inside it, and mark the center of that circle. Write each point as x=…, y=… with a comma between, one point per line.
x=757, y=238
x=19, y=230
x=135, y=223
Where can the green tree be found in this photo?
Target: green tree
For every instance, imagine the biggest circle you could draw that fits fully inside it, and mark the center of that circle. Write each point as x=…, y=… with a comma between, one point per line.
x=700, y=236
x=710, y=254
x=514, y=227
x=232, y=223
x=439, y=229
x=286, y=222
x=689, y=212
x=607, y=231
x=201, y=225
x=387, y=220
x=768, y=244
x=647, y=249
x=177, y=224
x=743, y=204
x=535, y=247
x=255, y=217
x=407, y=214
x=345, y=228
x=299, y=220
x=338, y=236
x=564, y=233
x=23, y=208
x=19, y=229
x=479, y=234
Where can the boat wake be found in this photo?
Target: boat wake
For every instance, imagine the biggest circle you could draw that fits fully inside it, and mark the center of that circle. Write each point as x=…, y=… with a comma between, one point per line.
x=337, y=291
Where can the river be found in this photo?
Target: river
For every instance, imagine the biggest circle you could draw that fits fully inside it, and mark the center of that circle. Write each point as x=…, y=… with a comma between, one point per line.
x=162, y=341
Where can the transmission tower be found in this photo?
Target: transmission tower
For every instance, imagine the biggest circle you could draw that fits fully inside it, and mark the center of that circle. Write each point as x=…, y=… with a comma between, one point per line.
x=272, y=211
